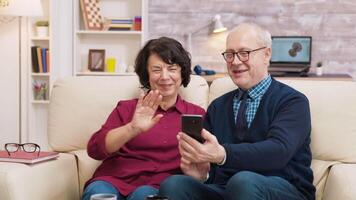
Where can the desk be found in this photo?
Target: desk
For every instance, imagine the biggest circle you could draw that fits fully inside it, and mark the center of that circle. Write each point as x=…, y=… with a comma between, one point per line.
x=324, y=77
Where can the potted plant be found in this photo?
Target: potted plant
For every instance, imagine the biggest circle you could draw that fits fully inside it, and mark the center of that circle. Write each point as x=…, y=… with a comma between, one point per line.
x=42, y=28
x=319, y=68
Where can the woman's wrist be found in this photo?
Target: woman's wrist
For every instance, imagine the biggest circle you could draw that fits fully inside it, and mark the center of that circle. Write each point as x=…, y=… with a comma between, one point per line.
x=132, y=129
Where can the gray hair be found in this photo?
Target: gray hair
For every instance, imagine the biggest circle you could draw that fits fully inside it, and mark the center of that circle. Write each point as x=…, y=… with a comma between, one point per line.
x=264, y=36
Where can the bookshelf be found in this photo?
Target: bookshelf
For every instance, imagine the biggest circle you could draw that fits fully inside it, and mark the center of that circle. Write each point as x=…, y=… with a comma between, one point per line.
x=39, y=65
x=122, y=45
x=38, y=101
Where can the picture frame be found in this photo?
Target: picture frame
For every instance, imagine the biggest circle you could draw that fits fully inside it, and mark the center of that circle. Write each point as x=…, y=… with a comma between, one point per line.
x=96, y=60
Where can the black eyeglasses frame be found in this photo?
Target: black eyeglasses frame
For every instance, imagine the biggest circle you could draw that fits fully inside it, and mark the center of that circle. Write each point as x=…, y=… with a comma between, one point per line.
x=239, y=56
x=23, y=148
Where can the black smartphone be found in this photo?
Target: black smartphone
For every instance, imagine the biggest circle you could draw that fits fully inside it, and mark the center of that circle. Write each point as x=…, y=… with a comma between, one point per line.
x=192, y=125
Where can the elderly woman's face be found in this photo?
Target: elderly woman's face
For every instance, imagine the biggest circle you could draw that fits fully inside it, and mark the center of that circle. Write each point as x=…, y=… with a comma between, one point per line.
x=164, y=77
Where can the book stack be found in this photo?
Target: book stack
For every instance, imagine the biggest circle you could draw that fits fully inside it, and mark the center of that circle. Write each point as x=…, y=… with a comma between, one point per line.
x=40, y=59
x=120, y=24
x=27, y=158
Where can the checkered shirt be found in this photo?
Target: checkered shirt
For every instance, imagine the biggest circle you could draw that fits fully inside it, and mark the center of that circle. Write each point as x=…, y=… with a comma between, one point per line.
x=253, y=101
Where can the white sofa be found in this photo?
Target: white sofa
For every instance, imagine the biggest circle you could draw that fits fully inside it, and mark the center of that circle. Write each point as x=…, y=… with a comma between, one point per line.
x=80, y=105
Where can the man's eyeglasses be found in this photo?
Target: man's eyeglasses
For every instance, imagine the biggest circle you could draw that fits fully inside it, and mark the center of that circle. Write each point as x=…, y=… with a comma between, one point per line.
x=27, y=147
x=243, y=56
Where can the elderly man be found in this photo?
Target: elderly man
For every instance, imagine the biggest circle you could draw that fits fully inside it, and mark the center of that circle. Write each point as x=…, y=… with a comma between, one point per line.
x=257, y=137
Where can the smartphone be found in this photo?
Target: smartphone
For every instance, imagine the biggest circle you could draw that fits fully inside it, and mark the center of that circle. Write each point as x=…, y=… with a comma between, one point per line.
x=192, y=125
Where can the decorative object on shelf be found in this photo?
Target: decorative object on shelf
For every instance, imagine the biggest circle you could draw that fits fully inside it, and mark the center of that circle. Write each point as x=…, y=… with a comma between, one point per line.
x=40, y=90
x=137, y=23
x=319, y=68
x=200, y=71
x=110, y=64
x=96, y=60
x=217, y=27
x=91, y=14
x=123, y=67
x=42, y=28
x=130, y=69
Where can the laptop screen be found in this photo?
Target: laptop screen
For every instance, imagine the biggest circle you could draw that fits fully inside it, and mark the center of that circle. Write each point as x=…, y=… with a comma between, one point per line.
x=291, y=49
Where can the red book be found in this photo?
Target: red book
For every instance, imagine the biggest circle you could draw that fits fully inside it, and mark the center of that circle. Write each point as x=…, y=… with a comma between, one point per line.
x=29, y=158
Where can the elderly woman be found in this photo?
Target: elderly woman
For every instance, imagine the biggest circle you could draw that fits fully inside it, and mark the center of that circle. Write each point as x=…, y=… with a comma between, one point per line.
x=138, y=143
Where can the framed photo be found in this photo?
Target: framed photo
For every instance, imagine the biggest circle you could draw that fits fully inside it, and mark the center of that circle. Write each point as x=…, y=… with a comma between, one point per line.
x=96, y=60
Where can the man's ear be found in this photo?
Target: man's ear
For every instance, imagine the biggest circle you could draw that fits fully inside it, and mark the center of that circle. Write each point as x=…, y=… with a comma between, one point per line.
x=268, y=55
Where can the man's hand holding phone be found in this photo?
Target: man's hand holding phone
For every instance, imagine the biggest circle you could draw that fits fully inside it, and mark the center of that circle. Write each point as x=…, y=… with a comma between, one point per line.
x=193, y=151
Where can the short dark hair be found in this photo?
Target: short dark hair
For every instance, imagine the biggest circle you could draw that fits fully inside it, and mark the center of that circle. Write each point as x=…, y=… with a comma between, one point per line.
x=170, y=51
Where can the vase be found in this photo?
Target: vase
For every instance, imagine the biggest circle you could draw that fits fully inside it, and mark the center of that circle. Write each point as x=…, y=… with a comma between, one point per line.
x=319, y=71
x=42, y=31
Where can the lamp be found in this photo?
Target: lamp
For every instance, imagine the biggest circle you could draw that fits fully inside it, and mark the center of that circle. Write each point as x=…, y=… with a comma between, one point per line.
x=4, y=3
x=20, y=8
x=217, y=28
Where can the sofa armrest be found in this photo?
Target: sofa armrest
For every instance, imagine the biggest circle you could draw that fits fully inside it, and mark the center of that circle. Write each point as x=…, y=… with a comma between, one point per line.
x=53, y=179
x=86, y=167
x=341, y=182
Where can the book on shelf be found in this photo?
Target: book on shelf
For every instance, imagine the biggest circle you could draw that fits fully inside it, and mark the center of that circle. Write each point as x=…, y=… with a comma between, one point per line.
x=121, y=21
x=27, y=158
x=34, y=58
x=40, y=59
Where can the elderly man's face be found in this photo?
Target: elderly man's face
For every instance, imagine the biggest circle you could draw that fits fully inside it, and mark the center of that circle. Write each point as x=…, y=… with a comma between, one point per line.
x=248, y=73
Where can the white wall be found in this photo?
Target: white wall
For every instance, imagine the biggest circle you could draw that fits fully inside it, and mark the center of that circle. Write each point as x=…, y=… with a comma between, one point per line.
x=9, y=82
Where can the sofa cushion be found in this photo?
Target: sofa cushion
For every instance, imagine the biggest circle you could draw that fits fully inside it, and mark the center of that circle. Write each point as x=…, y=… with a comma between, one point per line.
x=321, y=171
x=54, y=179
x=219, y=87
x=80, y=105
x=333, y=113
x=341, y=183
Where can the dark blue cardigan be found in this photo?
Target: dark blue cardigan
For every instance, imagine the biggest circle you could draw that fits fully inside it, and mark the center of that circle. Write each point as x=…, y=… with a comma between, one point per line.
x=277, y=142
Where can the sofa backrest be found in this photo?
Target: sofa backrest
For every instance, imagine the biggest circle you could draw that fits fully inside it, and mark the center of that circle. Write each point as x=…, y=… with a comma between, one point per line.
x=80, y=105
x=333, y=114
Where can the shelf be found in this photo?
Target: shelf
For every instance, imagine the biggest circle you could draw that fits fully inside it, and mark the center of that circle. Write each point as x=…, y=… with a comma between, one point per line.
x=122, y=45
x=40, y=38
x=40, y=74
x=40, y=101
x=311, y=76
x=81, y=32
x=104, y=74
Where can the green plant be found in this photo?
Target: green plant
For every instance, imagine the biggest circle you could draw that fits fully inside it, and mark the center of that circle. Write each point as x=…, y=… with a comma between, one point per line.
x=42, y=23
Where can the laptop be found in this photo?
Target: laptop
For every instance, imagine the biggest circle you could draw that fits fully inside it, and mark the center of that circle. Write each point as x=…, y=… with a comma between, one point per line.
x=291, y=55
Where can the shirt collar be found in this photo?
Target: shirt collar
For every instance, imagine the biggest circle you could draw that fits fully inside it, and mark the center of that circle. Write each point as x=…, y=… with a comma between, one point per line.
x=259, y=89
x=179, y=106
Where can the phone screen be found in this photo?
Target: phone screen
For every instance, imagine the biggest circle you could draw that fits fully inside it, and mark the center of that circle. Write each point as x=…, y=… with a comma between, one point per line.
x=192, y=125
